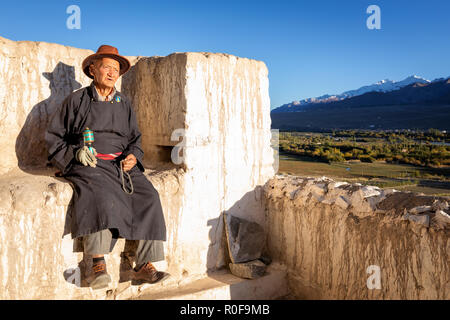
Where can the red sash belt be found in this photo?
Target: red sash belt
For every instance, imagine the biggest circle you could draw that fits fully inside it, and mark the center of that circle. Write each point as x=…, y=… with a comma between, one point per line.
x=108, y=156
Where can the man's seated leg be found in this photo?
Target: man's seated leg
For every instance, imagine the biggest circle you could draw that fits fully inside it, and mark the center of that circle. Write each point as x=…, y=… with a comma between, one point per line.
x=149, y=251
x=97, y=245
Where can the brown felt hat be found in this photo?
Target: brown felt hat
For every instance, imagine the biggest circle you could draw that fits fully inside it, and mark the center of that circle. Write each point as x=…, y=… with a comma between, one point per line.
x=105, y=51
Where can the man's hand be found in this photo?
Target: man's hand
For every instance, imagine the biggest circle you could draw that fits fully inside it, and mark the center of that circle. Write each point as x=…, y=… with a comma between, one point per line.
x=85, y=156
x=129, y=162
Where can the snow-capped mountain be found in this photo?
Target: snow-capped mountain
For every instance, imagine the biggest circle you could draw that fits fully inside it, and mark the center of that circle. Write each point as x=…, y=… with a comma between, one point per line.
x=384, y=86
x=381, y=86
x=414, y=106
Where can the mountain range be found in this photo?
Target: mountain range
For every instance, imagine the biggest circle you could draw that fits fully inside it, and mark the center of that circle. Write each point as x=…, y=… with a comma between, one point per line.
x=413, y=102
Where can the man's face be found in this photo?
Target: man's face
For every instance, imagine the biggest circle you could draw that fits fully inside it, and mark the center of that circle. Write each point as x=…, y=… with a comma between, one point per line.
x=106, y=71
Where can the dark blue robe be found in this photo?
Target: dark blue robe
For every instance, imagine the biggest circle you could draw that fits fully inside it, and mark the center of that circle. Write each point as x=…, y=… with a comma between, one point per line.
x=99, y=202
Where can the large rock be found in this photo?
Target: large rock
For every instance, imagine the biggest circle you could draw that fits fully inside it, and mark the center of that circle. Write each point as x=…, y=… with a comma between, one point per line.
x=248, y=270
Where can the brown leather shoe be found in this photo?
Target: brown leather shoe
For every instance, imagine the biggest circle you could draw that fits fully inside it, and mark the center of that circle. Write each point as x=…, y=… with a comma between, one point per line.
x=100, y=277
x=148, y=274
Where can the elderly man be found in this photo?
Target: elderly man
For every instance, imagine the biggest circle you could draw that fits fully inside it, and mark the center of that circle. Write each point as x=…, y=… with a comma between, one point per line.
x=94, y=140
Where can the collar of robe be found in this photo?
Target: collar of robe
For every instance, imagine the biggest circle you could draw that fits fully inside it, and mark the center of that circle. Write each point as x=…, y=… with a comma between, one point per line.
x=97, y=97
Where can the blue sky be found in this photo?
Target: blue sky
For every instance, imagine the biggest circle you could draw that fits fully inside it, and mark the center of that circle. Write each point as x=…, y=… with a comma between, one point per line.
x=310, y=47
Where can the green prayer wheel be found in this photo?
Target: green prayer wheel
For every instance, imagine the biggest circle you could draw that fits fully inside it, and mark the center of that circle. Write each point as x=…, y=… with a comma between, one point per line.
x=88, y=137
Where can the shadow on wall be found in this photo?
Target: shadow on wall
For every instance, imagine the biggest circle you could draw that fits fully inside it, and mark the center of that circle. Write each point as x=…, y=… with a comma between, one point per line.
x=31, y=149
x=157, y=156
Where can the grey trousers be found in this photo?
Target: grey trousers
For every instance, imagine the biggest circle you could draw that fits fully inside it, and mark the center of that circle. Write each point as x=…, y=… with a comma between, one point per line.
x=103, y=242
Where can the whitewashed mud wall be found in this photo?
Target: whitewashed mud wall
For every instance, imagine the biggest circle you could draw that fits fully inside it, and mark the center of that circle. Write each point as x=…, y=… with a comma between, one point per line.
x=329, y=234
x=221, y=104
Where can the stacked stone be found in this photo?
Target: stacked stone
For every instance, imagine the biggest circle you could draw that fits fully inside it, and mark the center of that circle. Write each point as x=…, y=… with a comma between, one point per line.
x=245, y=240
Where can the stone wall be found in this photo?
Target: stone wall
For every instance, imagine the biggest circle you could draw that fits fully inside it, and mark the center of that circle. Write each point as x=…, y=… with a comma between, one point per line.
x=330, y=235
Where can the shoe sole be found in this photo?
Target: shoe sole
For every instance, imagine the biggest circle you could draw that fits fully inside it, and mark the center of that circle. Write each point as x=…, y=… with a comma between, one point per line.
x=100, y=282
x=137, y=282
